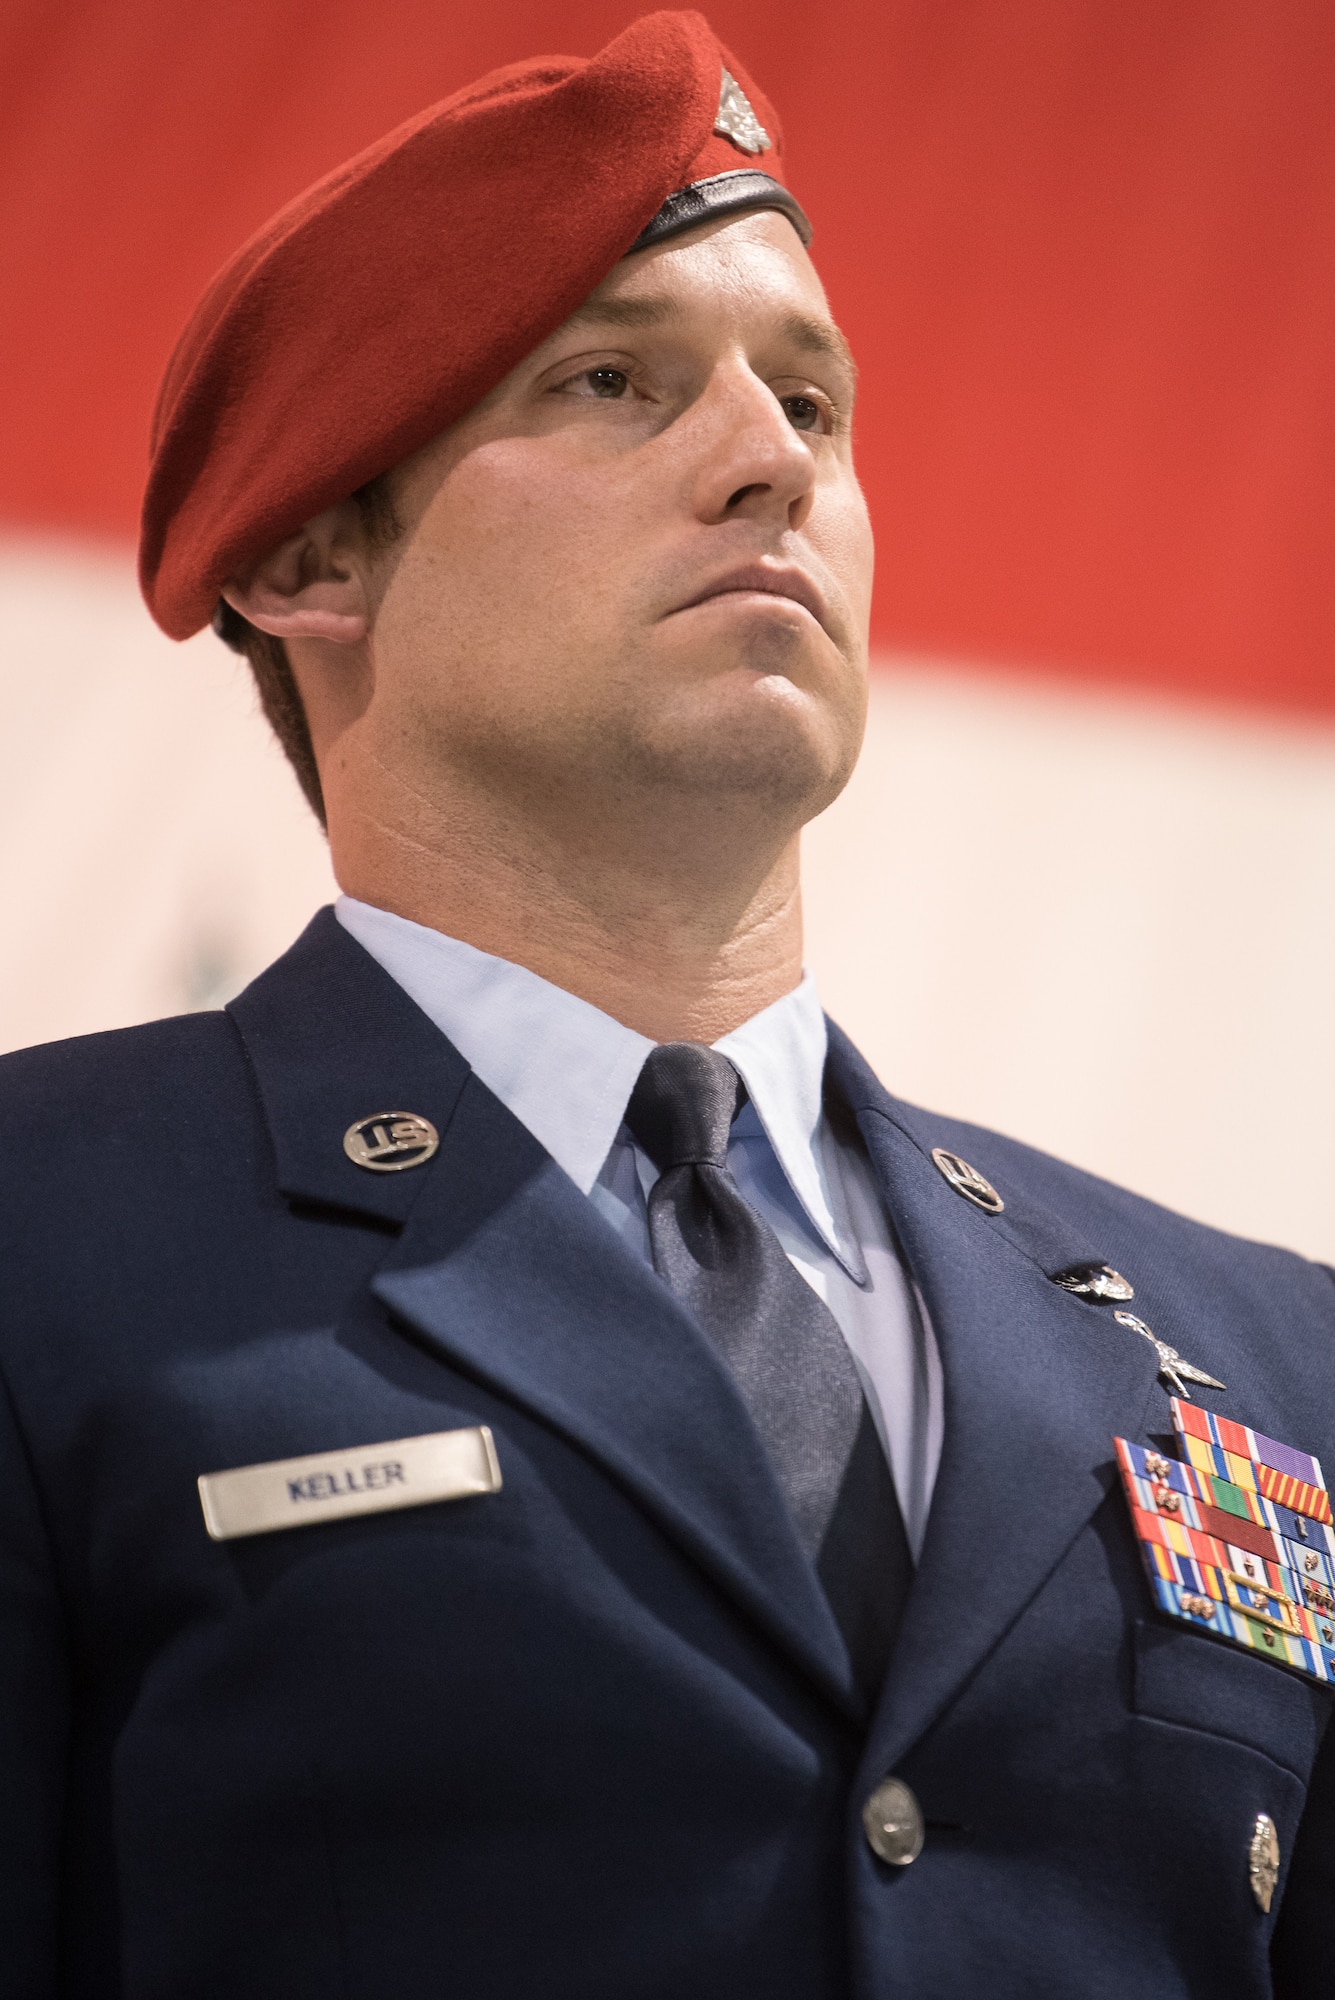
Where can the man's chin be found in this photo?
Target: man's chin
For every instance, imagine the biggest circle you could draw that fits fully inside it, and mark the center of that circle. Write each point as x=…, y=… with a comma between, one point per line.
x=767, y=742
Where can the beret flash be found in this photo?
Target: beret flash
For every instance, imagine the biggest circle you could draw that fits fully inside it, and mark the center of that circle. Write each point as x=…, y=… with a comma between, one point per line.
x=379, y=306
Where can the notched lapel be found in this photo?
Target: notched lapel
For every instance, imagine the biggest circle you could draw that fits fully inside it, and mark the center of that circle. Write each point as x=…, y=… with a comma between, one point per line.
x=1037, y=1384
x=510, y=1273
x=332, y=1039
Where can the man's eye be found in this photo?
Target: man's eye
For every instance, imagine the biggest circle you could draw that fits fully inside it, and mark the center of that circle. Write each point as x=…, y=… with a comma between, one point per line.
x=608, y=382
x=803, y=414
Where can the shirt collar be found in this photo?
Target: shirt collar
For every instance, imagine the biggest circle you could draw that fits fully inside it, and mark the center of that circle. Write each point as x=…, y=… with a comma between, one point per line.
x=780, y=1055
x=566, y=1070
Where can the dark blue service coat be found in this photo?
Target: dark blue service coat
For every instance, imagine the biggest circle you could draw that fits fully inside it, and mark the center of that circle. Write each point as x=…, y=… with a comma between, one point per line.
x=592, y=1735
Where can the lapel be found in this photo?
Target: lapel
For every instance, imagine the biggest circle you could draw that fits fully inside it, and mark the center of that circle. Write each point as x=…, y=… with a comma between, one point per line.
x=1036, y=1380
x=331, y=1039
x=506, y=1271
x=510, y=1272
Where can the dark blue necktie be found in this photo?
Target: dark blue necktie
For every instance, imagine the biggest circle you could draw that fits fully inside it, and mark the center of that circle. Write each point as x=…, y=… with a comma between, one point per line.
x=781, y=1342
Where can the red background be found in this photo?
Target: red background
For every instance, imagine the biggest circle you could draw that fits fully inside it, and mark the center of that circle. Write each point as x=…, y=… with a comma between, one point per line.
x=1084, y=250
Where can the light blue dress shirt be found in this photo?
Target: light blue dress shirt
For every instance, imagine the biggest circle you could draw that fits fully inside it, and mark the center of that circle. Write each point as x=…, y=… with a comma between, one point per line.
x=566, y=1071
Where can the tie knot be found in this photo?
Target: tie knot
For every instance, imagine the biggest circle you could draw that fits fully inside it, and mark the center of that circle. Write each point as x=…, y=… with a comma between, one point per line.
x=682, y=1107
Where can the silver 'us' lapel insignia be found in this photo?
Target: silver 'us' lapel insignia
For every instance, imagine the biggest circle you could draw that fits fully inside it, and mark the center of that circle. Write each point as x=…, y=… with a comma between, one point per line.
x=737, y=121
x=389, y=1141
x=1172, y=1368
x=329, y=1485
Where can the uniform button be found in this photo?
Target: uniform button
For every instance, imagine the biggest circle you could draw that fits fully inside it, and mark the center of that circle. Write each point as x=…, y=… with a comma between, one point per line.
x=892, y=1821
x=1263, y=1861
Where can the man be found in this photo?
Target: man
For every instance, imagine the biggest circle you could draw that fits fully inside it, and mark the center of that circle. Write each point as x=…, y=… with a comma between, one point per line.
x=524, y=1467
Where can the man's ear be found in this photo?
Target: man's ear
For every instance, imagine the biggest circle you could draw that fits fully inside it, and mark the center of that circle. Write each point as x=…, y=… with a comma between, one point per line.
x=312, y=586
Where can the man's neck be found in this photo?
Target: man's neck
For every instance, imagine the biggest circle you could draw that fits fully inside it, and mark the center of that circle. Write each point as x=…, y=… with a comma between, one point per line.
x=677, y=958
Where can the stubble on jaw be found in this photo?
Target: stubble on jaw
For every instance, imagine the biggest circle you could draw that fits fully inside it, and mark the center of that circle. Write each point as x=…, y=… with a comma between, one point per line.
x=744, y=742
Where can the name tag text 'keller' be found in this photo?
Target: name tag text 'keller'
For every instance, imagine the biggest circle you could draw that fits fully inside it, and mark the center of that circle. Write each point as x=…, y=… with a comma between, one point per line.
x=328, y=1485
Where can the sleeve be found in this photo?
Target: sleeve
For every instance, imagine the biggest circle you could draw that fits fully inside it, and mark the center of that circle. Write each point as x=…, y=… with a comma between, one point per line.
x=1301, y=1947
x=34, y=1710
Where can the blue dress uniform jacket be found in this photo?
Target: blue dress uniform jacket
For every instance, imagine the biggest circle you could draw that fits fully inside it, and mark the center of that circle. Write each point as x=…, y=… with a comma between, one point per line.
x=593, y=1733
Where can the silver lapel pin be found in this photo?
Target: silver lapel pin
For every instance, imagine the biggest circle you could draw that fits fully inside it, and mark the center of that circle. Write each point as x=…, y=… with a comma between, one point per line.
x=1172, y=1368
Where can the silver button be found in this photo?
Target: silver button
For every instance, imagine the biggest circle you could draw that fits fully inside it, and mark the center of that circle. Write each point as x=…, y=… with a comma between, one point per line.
x=1263, y=1861
x=892, y=1821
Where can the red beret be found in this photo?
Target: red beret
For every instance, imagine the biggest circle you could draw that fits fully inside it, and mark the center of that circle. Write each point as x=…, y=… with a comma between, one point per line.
x=387, y=300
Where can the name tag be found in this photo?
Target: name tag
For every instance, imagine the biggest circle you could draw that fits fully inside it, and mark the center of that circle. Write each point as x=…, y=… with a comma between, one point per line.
x=329, y=1485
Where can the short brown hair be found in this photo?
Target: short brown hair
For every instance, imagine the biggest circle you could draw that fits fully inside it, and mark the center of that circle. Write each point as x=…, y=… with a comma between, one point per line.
x=279, y=695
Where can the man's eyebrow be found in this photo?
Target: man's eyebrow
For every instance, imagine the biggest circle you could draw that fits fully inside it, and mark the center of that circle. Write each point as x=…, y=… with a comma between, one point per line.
x=648, y=309
x=820, y=336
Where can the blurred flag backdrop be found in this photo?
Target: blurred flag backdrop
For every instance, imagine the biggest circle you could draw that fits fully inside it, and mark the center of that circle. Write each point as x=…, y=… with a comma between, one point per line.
x=1082, y=886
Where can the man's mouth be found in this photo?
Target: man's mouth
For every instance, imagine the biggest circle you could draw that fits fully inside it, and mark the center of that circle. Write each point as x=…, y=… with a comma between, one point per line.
x=762, y=580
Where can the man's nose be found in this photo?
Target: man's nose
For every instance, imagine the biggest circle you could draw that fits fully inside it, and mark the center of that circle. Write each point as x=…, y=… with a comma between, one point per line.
x=752, y=464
